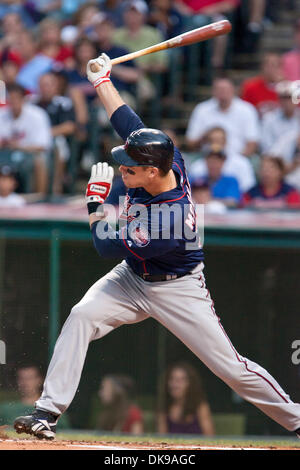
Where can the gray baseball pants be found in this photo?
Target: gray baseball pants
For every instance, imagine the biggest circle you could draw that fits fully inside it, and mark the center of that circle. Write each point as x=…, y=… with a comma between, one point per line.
x=185, y=308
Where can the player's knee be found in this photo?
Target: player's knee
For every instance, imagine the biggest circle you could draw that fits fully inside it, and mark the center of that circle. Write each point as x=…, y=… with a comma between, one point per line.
x=87, y=312
x=235, y=375
x=78, y=312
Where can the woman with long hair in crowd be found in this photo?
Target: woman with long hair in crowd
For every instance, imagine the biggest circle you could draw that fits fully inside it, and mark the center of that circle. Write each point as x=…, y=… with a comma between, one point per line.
x=183, y=407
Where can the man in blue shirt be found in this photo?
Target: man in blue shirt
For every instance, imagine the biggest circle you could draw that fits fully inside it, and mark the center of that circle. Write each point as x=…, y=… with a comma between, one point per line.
x=161, y=276
x=222, y=187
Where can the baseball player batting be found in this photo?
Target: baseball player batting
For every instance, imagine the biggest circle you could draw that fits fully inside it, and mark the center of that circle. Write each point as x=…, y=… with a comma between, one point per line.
x=160, y=277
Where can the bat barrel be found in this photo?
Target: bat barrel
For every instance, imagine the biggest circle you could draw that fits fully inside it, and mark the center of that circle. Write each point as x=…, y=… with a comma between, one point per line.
x=190, y=37
x=201, y=34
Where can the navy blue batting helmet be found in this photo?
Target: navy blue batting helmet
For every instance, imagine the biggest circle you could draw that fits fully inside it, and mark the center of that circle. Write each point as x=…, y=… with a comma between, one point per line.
x=146, y=147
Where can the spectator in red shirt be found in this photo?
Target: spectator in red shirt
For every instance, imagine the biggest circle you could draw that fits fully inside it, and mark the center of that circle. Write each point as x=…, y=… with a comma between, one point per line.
x=206, y=7
x=272, y=192
x=260, y=90
x=119, y=413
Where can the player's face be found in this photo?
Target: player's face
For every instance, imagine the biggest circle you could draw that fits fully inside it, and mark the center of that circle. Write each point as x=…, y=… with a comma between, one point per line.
x=178, y=384
x=136, y=176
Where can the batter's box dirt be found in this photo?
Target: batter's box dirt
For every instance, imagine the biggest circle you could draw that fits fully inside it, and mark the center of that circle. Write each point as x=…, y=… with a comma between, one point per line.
x=27, y=444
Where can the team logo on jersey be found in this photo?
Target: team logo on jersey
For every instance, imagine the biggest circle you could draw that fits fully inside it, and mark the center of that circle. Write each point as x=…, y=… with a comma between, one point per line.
x=138, y=233
x=126, y=207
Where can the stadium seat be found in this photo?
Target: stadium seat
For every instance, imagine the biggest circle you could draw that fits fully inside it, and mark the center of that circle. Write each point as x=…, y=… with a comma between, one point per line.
x=229, y=424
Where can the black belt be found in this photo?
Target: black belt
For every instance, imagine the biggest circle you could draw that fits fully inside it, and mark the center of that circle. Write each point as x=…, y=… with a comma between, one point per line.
x=161, y=277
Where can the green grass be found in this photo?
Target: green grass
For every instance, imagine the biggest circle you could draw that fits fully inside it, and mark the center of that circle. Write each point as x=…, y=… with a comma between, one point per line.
x=249, y=441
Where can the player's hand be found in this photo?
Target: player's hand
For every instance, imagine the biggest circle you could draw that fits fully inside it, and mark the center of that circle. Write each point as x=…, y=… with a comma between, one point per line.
x=103, y=75
x=100, y=183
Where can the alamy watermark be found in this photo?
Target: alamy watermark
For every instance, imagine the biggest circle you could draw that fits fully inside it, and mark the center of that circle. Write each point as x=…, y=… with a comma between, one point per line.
x=140, y=224
x=2, y=92
x=2, y=352
x=296, y=353
x=296, y=92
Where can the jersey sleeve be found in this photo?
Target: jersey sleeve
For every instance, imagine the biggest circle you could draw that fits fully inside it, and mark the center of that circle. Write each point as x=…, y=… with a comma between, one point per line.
x=124, y=120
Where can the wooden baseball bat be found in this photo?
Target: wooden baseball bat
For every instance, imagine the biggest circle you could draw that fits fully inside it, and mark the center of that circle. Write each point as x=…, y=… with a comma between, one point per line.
x=195, y=35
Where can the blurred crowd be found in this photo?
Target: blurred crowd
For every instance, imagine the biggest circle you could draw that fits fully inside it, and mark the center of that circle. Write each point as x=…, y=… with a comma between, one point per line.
x=241, y=145
x=180, y=406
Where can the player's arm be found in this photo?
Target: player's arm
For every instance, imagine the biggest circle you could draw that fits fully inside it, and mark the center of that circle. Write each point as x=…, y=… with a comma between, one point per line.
x=122, y=117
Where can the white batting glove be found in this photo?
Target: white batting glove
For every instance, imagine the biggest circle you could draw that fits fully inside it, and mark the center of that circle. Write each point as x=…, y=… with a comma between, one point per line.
x=99, y=185
x=103, y=75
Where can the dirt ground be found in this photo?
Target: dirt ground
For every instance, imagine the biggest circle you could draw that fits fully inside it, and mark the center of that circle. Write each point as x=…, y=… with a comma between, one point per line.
x=35, y=444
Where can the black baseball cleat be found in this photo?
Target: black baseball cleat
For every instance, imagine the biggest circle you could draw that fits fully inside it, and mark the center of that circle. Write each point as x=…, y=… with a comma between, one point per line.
x=41, y=424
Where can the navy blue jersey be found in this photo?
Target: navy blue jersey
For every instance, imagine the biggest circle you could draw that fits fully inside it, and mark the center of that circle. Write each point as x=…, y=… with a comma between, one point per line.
x=157, y=234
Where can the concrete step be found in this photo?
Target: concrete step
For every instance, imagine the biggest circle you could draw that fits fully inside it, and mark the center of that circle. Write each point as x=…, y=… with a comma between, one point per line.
x=289, y=16
x=279, y=30
x=176, y=123
x=276, y=44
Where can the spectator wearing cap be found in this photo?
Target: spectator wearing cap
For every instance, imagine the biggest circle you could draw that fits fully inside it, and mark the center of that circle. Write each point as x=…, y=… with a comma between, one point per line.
x=280, y=128
x=235, y=165
x=222, y=187
x=238, y=118
x=26, y=128
x=137, y=32
x=261, y=90
x=8, y=185
x=272, y=191
x=291, y=59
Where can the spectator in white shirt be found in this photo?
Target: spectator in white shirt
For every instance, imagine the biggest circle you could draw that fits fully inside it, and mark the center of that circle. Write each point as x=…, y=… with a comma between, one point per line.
x=8, y=185
x=26, y=127
x=235, y=165
x=280, y=130
x=238, y=118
